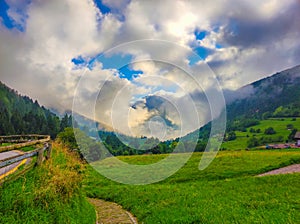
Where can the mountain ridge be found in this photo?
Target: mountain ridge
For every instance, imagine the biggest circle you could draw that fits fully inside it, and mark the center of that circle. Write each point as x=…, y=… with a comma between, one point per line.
x=267, y=94
x=21, y=115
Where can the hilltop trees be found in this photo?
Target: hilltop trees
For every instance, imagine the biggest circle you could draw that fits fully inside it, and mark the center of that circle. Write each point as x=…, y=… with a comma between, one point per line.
x=66, y=121
x=21, y=115
x=5, y=125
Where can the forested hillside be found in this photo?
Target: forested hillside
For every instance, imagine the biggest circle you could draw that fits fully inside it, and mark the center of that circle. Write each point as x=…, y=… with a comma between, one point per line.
x=21, y=115
x=277, y=96
x=274, y=96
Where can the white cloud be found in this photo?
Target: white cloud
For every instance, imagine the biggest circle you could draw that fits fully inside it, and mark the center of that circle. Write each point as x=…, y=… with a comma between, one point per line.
x=255, y=39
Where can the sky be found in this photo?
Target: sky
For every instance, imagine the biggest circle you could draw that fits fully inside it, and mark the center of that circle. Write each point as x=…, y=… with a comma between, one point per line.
x=144, y=67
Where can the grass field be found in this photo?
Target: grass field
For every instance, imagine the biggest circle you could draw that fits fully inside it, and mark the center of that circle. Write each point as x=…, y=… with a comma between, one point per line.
x=228, y=191
x=279, y=125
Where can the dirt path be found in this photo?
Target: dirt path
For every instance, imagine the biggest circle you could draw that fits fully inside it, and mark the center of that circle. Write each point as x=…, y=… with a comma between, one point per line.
x=284, y=170
x=112, y=213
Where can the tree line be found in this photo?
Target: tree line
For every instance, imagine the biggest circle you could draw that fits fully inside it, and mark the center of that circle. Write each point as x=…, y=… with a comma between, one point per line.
x=21, y=115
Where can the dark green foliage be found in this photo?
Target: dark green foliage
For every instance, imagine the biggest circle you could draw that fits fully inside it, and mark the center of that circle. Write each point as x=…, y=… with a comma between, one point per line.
x=118, y=144
x=253, y=142
x=88, y=148
x=200, y=147
x=289, y=110
x=275, y=96
x=241, y=124
x=5, y=126
x=231, y=136
x=256, y=141
x=67, y=138
x=290, y=126
x=20, y=115
x=66, y=121
x=291, y=135
x=270, y=131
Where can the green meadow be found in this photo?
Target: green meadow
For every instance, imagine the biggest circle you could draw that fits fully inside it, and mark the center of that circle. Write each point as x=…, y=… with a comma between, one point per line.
x=278, y=124
x=227, y=191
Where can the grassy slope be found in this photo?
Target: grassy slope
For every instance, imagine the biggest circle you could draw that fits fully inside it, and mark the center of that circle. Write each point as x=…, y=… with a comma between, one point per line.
x=226, y=192
x=279, y=126
x=47, y=194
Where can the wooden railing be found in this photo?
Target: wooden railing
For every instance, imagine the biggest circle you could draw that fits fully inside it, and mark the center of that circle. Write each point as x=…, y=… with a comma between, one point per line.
x=22, y=141
x=38, y=152
x=42, y=143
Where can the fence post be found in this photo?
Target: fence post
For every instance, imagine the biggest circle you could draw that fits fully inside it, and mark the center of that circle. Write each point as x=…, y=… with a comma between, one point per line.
x=48, y=156
x=40, y=156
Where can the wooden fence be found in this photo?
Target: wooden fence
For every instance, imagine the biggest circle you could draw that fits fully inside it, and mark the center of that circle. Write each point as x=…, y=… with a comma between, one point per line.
x=38, y=152
x=20, y=140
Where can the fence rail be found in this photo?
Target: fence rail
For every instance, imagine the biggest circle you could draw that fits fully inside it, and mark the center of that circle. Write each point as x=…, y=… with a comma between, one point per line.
x=17, y=158
x=22, y=140
x=31, y=140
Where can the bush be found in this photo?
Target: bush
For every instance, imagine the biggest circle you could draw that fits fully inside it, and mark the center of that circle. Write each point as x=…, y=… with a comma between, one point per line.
x=270, y=131
x=67, y=138
x=252, y=142
x=231, y=136
x=289, y=126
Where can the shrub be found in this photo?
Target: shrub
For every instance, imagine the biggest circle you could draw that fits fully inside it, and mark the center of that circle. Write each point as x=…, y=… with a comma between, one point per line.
x=270, y=131
x=289, y=126
x=231, y=136
x=67, y=138
x=252, y=142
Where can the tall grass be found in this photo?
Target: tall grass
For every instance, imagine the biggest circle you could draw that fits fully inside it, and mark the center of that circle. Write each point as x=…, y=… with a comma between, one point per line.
x=50, y=193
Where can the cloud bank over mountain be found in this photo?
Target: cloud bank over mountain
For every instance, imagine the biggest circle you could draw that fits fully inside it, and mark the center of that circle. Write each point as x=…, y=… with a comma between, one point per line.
x=48, y=46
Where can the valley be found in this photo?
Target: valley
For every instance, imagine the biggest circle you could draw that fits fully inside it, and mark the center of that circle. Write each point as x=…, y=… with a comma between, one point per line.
x=228, y=190
x=149, y=112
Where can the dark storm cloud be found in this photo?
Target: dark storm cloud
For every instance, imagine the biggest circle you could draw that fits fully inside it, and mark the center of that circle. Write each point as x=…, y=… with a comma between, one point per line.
x=246, y=33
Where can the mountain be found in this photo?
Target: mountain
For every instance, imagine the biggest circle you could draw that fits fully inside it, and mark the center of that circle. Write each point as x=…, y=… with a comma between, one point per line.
x=274, y=96
x=277, y=95
x=21, y=115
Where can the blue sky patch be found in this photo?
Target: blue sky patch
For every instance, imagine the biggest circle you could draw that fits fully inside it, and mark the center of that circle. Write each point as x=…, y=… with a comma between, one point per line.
x=103, y=8
x=7, y=21
x=203, y=52
x=115, y=61
x=128, y=73
x=120, y=62
x=218, y=46
x=200, y=35
x=78, y=61
x=193, y=59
